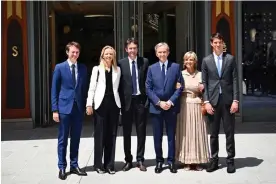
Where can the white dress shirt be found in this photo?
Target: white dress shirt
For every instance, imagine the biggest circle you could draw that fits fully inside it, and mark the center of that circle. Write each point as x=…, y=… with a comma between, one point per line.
x=136, y=67
x=166, y=66
x=76, y=67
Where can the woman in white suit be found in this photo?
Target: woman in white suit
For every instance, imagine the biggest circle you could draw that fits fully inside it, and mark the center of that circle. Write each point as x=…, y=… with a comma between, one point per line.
x=103, y=99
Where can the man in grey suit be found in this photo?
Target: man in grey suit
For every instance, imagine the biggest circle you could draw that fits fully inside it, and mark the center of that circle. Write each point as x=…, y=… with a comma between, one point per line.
x=221, y=98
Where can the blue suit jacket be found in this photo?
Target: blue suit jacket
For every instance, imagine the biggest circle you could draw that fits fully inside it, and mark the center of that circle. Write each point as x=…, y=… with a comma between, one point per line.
x=63, y=91
x=157, y=90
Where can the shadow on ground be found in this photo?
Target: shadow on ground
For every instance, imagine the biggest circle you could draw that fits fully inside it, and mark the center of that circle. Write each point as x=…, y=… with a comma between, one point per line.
x=119, y=165
x=242, y=162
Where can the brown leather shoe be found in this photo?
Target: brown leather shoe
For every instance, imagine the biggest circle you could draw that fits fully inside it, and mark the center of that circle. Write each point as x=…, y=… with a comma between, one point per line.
x=141, y=166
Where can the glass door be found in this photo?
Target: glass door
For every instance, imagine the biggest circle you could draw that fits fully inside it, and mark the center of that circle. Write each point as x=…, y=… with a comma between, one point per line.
x=169, y=22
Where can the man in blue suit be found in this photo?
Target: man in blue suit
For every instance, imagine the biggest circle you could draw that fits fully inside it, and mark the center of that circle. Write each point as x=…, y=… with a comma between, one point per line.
x=162, y=87
x=69, y=91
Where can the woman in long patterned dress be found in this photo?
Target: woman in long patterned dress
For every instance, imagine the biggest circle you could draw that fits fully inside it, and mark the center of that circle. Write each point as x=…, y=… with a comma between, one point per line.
x=192, y=147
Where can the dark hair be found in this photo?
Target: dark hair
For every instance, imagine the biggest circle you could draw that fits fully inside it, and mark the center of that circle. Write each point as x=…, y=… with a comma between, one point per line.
x=216, y=35
x=131, y=40
x=70, y=44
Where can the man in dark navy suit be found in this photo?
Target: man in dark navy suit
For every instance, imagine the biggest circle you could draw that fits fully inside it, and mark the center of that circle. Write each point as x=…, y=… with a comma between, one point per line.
x=134, y=102
x=69, y=91
x=161, y=86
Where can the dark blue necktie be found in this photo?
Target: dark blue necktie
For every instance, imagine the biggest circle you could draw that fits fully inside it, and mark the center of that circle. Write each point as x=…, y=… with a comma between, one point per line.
x=163, y=73
x=74, y=74
x=134, y=83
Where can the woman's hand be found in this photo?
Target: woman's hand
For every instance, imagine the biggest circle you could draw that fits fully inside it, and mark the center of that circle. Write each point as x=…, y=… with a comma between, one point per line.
x=200, y=87
x=89, y=111
x=178, y=85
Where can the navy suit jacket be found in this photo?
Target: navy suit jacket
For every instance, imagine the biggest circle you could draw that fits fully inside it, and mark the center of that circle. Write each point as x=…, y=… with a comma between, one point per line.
x=159, y=91
x=63, y=91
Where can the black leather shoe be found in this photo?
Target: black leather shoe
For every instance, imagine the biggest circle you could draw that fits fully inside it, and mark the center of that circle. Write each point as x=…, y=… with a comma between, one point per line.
x=158, y=169
x=141, y=166
x=213, y=166
x=99, y=170
x=62, y=174
x=110, y=171
x=231, y=167
x=127, y=166
x=78, y=171
x=172, y=168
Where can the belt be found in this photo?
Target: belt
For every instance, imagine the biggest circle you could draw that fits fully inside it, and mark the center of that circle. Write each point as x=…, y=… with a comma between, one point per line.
x=191, y=95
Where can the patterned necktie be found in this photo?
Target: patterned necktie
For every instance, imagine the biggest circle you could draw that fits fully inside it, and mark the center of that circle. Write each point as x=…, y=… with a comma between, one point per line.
x=163, y=72
x=134, y=83
x=74, y=74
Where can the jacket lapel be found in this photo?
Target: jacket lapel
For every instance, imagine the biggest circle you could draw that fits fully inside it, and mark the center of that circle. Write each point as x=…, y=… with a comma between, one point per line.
x=223, y=63
x=126, y=63
x=101, y=73
x=78, y=77
x=139, y=65
x=114, y=75
x=167, y=73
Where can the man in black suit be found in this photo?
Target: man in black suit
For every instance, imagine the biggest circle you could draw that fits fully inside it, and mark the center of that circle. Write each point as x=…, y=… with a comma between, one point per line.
x=221, y=98
x=134, y=101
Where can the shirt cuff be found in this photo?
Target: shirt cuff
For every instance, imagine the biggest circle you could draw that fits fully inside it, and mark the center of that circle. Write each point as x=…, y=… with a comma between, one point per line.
x=205, y=102
x=158, y=103
x=236, y=101
x=171, y=103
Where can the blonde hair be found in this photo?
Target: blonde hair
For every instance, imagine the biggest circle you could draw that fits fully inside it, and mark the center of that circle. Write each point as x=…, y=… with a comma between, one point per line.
x=190, y=54
x=160, y=45
x=114, y=62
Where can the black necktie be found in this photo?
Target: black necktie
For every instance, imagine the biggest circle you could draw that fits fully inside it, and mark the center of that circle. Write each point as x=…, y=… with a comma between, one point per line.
x=134, y=83
x=163, y=73
x=74, y=74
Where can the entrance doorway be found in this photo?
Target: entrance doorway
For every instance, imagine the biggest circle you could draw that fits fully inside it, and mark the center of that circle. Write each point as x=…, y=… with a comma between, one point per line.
x=259, y=66
x=89, y=23
x=169, y=22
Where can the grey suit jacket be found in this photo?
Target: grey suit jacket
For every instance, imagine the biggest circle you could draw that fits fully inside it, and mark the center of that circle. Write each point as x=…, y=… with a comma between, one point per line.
x=228, y=80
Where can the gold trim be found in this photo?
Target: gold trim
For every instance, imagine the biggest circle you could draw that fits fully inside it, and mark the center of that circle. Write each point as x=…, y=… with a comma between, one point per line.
x=9, y=9
x=18, y=9
x=218, y=7
x=227, y=8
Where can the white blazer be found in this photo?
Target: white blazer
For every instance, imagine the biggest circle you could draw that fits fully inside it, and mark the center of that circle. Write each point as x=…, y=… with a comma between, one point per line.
x=96, y=90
